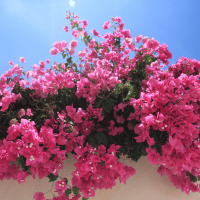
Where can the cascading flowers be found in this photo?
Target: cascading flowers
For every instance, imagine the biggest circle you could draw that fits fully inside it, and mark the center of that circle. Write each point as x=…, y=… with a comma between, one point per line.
x=112, y=106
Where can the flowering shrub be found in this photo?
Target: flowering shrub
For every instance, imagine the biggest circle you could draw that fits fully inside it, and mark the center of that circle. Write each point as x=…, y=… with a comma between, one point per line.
x=112, y=106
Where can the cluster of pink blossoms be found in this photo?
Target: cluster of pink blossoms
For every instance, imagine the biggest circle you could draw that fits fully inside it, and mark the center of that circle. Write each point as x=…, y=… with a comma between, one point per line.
x=157, y=93
x=90, y=174
x=58, y=47
x=177, y=119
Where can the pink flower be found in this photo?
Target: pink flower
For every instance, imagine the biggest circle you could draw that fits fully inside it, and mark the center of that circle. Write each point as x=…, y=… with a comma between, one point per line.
x=72, y=51
x=28, y=112
x=21, y=113
x=153, y=44
x=42, y=64
x=85, y=23
x=75, y=33
x=64, y=44
x=73, y=44
x=53, y=51
x=145, y=39
x=177, y=144
x=122, y=106
x=117, y=19
x=21, y=176
x=95, y=32
x=106, y=25
x=81, y=53
x=153, y=156
x=60, y=186
x=10, y=63
x=164, y=54
x=55, y=67
x=39, y=196
x=47, y=61
x=138, y=38
x=120, y=119
x=22, y=59
x=130, y=126
x=85, y=33
x=65, y=29
x=129, y=171
x=161, y=170
x=13, y=121
x=101, y=149
x=63, y=65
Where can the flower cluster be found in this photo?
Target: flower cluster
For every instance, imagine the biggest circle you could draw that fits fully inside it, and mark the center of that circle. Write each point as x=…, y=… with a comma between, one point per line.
x=114, y=104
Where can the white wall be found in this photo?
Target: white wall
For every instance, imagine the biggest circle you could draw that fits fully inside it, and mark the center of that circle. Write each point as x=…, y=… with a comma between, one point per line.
x=146, y=184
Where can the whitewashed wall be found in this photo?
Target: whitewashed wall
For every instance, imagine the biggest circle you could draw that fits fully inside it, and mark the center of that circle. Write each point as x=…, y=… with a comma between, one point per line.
x=146, y=184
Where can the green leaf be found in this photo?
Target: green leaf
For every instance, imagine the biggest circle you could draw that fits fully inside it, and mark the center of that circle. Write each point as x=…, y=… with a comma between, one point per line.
x=29, y=171
x=187, y=73
x=67, y=192
x=59, y=66
x=92, y=142
x=69, y=60
x=66, y=64
x=108, y=105
x=193, y=178
x=118, y=89
x=8, y=80
x=83, y=198
x=52, y=177
x=117, y=42
x=23, y=101
x=66, y=181
x=19, y=159
x=101, y=138
x=74, y=64
x=75, y=190
x=101, y=163
x=130, y=93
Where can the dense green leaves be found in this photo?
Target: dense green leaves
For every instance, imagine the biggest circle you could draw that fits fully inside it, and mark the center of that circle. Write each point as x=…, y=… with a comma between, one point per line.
x=192, y=178
x=131, y=92
x=117, y=43
x=149, y=59
x=83, y=198
x=69, y=60
x=87, y=39
x=75, y=190
x=102, y=163
x=160, y=138
x=52, y=177
x=97, y=47
x=67, y=192
x=66, y=181
x=97, y=139
x=21, y=162
x=107, y=104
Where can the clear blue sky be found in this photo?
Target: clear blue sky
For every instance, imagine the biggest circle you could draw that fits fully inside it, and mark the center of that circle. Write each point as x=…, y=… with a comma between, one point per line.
x=29, y=28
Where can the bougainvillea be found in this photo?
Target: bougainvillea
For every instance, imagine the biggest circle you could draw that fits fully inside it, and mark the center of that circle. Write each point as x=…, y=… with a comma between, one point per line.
x=111, y=106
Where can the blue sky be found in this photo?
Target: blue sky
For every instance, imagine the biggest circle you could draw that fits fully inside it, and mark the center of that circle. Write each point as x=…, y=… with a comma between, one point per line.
x=29, y=28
